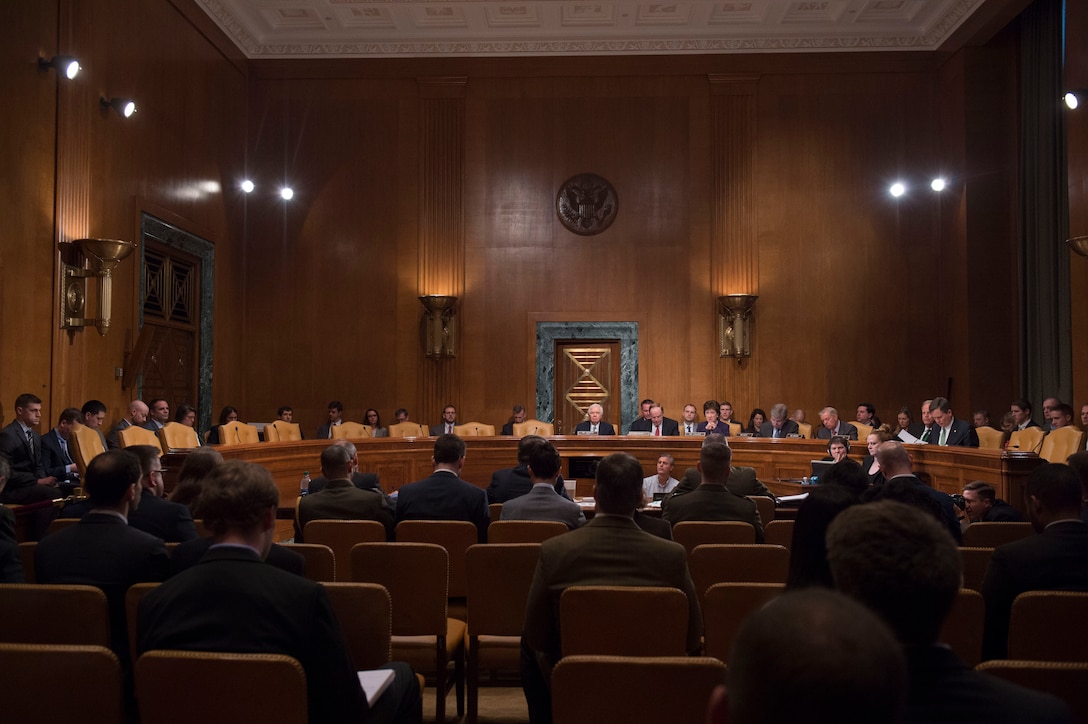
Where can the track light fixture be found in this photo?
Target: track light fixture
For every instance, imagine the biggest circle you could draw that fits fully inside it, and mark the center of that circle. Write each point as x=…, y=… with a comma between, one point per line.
x=125, y=107
x=65, y=65
x=1073, y=98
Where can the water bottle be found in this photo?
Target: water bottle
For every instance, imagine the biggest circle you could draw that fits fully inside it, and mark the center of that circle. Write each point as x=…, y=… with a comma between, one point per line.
x=304, y=484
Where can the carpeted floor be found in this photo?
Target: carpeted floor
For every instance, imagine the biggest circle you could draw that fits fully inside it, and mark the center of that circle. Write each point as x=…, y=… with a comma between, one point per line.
x=498, y=705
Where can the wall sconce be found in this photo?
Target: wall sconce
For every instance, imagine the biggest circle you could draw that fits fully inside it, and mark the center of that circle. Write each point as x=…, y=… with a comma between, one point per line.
x=125, y=107
x=103, y=255
x=735, y=325
x=1078, y=244
x=66, y=65
x=437, y=329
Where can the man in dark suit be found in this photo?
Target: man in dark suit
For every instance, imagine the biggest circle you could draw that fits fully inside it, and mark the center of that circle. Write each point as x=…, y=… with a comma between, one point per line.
x=542, y=502
x=899, y=562
x=56, y=457
x=188, y=554
x=832, y=426
x=642, y=424
x=661, y=426
x=518, y=415
x=981, y=504
x=949, y=430
x=1055, y=559
x=595, y=425
x=895, y=464
x=443, y=495
x=509, y=483
x=610, y=550
x=922, y=430
x=233, y=601
x=11, y=565
x=154, y=514
x=102, y=550
x=28, y=482
x=158, y=414
x=340, y=499
x=449, y=419
x=712, y=500
x=779, y=425
x=94, y=415
x=362, y=481
x=137, y=415
x=1021, y=414
x=742, y=480
x=336, y=416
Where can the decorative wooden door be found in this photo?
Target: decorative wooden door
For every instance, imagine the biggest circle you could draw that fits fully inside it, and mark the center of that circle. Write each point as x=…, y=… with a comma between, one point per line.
x=586, y=371
x=171, y=316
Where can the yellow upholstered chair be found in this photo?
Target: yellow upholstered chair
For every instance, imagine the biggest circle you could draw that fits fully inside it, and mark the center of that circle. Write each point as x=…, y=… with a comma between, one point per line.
x=366, y=618
x=238, y=433
x=1067, y=681
x=351, y=431
x=962, y=627
x=524, y=531
x=974, y=560
x=133, y=596
x=455, y=536
x=805, y=430
x=54, y=614
x=341, y=536
x=175, y=436
x=863, y=430
x=134, y=435
x=1036, y=630
x=408, y=429
x=1061, y=443
x=92, y=691
x=533, y=427
x=280, y=431
x=611, y=620
x=691, y=533
x=725, y=606
x=320, y=560
x=474, y=429
x=779, y=533
x=765, y=506
x=992, y=535
x=757, y=563
x=213, y=688
x=1030, y=439
x=735, y=429
x=990, y=438
x=84, y=443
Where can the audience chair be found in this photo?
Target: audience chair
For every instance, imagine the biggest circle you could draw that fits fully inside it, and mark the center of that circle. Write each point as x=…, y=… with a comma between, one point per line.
x=612, y=621
x=341, y=536
x=498, y=577
x=805, y=430
x=182, y=687
x=725, y=607
x=26, y=557
x=765, y=506
x=84, y=443
x=586, y=689
x=54, y=614
x=692, y=533
x=47, y=684
x=408, y=429
x=735, y=429
x=238, y=433
x=779, y=533
x=864, y=431
x=494, y=511
x=990, y=438
x=60, y=524
x=1030, y=439
x=974, y=561
x=320, y=560
x=1049, y=626
x=1067, y=681
x=135, y=435
x=524, y=531
x=534, y=427
x=366, y=617
x=133, y=596
x=416, y=576
x=992, y=535
x=280, y=431
x=351, y=431
x=175, y=436
x=1061, y=443
x=751, y=563
x=962, y=628
x=455, y=536
x=474, y=429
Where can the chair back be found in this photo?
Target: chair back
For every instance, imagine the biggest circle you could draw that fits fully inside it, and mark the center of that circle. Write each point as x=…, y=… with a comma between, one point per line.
x=1067, y=681
x=585, y=689
x=765, y=506
x=408, y=429
x=1036, y=631
x=725, y=607
x=474, y=429
x=805, y=429
x=992, y=535
x=351, y=431
x=962, y=627
x=534, y=427
x=611, y=620
x=60, y=524
x=692, y=533
x=415, y=574
x=175, y=436
x=498, y=576
x=217, y=682
x=1030, y=439
x=366, y=618
x=133, y=596
x=341, y=536
x=974, y=561
x=135, y=435
x=494, y=511
x=280, y=431
x=320, y=560
x=26, y=558
x=454, y=535
x=779, y=533
x=33, y=613
x=755, y=563
x=1059, y=444
x=238, y=433
x=84, y=443
x=51, y=683
x=864, y=430
x=735, y=429
x=524, y=531
x=990, y=438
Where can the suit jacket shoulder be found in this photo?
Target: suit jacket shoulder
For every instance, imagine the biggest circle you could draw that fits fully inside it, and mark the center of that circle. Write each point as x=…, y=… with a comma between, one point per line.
x=163, y=519
x=543, y=503
x=444, y=496
x=712, y=502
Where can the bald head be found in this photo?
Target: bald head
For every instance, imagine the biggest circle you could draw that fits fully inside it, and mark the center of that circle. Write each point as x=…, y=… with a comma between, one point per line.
x=893, y=459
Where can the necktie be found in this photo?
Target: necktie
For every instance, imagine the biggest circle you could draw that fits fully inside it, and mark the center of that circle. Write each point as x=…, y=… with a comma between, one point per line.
x=30, y=441
x=64, y=449
x=449, y=428
x=775, y=433
x=657, y=431
x=925, y=435
x=594, y=430
x=689, y=430
x=944, y=437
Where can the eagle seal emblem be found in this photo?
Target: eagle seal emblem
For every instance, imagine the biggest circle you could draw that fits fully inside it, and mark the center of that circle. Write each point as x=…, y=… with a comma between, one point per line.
x=586, y=204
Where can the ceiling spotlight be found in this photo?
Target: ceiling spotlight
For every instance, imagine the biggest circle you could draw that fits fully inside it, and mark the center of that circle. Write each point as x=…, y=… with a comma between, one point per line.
x=286, y=193
x=125, y=107
x=248, y=186
x=897, y=189
x=1073, y=98
x=65, y=64
x=937, y=184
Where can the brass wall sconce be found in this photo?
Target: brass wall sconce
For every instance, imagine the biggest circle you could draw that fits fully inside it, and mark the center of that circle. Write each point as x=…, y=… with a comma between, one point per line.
x=103, y=256
x=735, y=325
x=1078, y=244
x=437, y=328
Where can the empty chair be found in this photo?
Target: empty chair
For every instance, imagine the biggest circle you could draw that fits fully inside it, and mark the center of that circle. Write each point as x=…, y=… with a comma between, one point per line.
x=415, y=574
x=84, y=443
x=220, y=688
x=805, y=430
x=990, y=438
x=691, y=533
x=725, y=606
x=1048, y=626
x=133, y=596
x=735, y=429
x=611, y=620
x=135, y=435
x=963, y=626
x=1061, y=443
x=280, y=431
x=408, y=429
x=779, y=533
x=474, y=429
x=46, y=684
x=765, y=506
x=992, y=535
x=1067, y=681
x=320, y=560
x=1030, y=439
x=524, y=531
x=585, y=689
x=455, y=536
x=365, y=615
x=351, y=431
x=494, y=511
x=533, y=427
x=54, y=614
x=755, y=563
x=238, y=433
x=498, y=577
x=341, y=536
x=974, y=561
x=175, y=436
x=863, y=430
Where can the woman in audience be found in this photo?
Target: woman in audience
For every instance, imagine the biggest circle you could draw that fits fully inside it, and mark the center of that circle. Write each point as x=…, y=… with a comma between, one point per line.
x=905, y=420
x=808, y=552
x=373, y=419
x=869, y=465
x=228, y=414
x=198, y=465
x=755, y=421
x=186, y=415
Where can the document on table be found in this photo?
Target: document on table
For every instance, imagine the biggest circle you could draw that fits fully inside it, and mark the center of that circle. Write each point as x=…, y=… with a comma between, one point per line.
x=907, y=437
x=374, y=683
